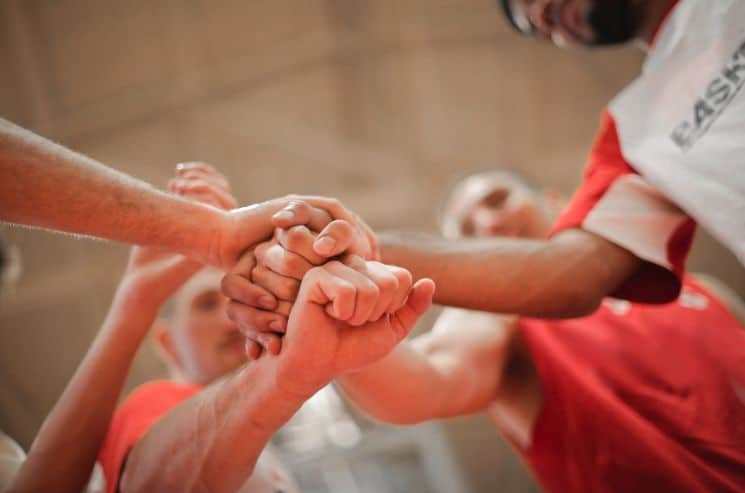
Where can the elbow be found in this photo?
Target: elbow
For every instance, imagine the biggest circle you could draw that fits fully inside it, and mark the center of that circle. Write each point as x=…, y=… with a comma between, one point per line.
x=580, y=303
x=572, y=301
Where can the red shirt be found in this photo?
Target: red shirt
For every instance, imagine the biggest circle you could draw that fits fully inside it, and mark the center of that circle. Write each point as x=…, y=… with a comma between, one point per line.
x=641, y=398
x=133, y=418
x=144, y=406
x=616, y=203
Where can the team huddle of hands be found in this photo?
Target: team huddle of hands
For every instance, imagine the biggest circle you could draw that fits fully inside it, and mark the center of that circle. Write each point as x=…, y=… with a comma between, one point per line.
x=313, y=294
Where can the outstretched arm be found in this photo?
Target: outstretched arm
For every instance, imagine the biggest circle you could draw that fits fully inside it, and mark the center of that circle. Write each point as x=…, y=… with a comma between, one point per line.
x=45, y=185
x=566, y=276
x=455, y=369
x=212, y=441
x=64, y=452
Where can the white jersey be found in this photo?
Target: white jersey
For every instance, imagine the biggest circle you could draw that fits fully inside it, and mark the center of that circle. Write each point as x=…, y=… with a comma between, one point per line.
x=682, y=122
x=672, y=147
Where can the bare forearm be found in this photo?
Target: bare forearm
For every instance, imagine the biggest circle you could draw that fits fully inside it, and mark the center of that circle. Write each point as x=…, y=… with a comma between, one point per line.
x=212, y=441
x=562, y=277
x=65, y=450
x=46, y=185
x=403, y=388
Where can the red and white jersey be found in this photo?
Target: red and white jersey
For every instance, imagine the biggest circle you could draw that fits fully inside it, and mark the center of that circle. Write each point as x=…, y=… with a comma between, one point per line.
x=672, y=147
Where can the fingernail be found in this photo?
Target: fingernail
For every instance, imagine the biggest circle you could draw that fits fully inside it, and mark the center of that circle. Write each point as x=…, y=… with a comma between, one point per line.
x=325, y=245
x=266, y=302
x=276, y=325
x=180, y=166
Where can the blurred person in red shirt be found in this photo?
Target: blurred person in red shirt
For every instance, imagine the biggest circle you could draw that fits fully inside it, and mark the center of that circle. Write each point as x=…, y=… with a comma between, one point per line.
x=634, y=397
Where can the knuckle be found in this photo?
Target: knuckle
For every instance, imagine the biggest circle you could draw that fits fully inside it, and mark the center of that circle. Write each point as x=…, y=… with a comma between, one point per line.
x=259, y=274
x=293, y=241
x=228, y=285
x=295, y=263
x=404, y=277
x=370, y=291
x=297, y=236
x=388, y=283
x=283, y=308
x=260, y=251
x=347, y=291
x=287, y=289
x=297, y=205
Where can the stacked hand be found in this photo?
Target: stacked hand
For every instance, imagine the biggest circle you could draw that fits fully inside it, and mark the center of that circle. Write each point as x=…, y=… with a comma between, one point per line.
x=340, y=229
x=266, y=279
x=345, y=314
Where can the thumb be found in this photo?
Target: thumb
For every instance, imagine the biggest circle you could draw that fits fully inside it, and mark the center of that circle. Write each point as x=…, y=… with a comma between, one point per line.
x=336, y=238
x=299, y=212
x=418, y=302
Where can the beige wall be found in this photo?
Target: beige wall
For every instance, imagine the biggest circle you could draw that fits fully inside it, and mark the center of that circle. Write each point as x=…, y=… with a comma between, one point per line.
x=382, y=103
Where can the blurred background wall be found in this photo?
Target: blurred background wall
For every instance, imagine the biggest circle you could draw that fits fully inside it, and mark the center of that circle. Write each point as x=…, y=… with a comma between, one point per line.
x=382, y=103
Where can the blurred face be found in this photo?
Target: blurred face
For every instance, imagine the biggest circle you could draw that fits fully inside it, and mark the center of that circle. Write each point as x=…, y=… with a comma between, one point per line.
x=497, y=205
x=578, y=22
x=204, y=343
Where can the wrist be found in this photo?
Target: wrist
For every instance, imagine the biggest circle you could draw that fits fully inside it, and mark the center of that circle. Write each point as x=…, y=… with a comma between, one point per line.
x=262, y=381
x=242, y=228
x=217, y=231
x=299, y=382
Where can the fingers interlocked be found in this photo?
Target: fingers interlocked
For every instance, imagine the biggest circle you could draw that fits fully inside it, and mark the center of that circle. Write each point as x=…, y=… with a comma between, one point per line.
x=278, y=266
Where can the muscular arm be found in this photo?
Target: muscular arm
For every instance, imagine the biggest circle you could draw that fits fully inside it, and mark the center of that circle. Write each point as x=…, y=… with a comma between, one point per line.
x=45, y=185
x=212, y=441
x=565, y=276
x=456, y=369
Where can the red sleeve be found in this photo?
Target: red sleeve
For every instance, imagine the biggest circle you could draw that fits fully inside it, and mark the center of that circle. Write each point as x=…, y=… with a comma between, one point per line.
x=616, y=203
x=133, y=418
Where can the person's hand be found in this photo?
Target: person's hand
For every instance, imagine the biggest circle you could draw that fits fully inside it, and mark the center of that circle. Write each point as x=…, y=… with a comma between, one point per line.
x=265, y=281
x=260, y=296
x=246, y=227
x=348, y=233
x=276, y=266
x=152, y=274
x=347, y=317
